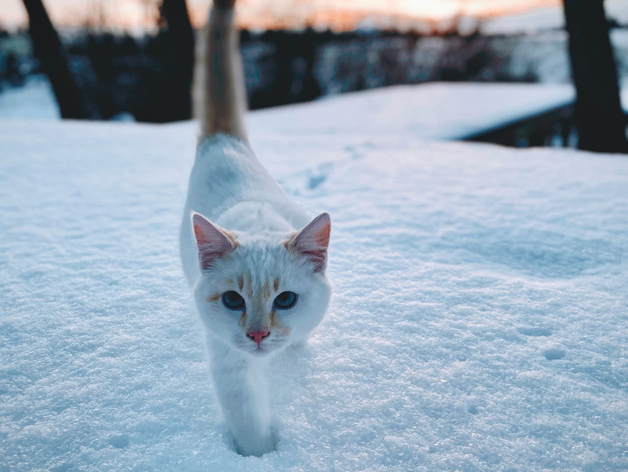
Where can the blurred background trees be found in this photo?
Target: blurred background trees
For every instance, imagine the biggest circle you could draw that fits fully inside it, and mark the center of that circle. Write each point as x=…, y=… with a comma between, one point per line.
x=105, y=74
x=147, y=76
x=599, y=117
x=48, y=49
x=179, y=38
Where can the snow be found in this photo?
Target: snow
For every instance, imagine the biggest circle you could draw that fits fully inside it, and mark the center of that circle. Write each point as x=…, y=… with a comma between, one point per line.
x=34, y=100
x=437, y=110
x=478, y=320
x=536, y=20
x=618, y=10
x=527, y=22
x=433, y=110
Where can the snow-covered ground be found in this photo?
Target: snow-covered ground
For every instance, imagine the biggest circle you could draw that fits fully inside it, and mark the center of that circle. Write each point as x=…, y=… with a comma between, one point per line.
x=542, y=42
x=437, y=110
x=546, y=18
x=479, y=319
x=34, y=100
x=433, y=110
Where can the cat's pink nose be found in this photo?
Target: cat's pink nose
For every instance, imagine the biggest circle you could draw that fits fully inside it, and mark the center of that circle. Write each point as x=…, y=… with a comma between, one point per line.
x=257, y=336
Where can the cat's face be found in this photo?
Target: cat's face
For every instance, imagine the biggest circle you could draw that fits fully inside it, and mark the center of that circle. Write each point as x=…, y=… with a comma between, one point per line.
x=261, y=293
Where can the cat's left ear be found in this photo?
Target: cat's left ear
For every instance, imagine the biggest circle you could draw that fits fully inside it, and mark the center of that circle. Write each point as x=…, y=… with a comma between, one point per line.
x=312, y=241
x=212, y=242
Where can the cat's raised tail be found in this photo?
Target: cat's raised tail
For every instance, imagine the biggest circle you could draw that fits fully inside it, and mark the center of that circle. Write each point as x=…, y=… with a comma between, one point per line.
x=224, y=94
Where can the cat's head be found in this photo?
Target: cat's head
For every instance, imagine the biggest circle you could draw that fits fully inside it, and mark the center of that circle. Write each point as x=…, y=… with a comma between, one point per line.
x=260, y=293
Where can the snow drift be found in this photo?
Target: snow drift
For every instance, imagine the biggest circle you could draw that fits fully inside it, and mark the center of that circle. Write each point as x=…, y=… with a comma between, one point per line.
x=479, y=317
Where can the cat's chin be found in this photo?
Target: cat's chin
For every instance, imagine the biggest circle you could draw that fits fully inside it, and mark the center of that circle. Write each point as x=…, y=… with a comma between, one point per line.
x=262, y=351
x=259, y=351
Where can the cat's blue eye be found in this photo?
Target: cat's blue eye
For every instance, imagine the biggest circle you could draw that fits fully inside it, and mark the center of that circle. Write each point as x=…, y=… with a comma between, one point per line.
x=233, y=300
x=285, y=300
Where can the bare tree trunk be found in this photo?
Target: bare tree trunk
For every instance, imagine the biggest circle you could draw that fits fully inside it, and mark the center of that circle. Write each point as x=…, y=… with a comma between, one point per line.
x=600, y=120
x=50, y=52
x=181, y=36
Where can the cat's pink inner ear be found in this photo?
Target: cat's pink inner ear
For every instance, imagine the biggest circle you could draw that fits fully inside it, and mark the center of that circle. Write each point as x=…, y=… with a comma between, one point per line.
x=313, y=240
x=212, y=243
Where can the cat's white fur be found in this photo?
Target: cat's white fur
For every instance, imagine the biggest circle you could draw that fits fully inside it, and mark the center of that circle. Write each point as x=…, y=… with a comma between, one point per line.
x=240, y=232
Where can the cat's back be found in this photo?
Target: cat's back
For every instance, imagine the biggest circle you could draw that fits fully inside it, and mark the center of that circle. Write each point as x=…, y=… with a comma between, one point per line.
x=226, y=176
x=226, y=171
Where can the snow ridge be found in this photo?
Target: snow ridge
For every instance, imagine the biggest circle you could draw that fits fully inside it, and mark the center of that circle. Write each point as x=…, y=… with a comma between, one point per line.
x=478, y=319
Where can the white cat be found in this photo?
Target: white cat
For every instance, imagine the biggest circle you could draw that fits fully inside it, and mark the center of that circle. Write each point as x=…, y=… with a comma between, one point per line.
x=258, y=282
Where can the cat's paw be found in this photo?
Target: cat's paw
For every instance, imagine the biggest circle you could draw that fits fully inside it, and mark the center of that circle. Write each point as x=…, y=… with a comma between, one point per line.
x=257, y=447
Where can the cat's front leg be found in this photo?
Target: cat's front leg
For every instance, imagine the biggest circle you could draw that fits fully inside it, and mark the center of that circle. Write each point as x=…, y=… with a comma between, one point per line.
x=243, y=395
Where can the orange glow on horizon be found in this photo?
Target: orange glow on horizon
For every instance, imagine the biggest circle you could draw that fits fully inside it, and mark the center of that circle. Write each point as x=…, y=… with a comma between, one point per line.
x=276, y=14
x=290, y=14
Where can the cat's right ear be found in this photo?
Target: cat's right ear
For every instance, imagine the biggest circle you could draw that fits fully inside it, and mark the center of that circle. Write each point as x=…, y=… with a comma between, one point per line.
x=312, y=241
x=212, y=242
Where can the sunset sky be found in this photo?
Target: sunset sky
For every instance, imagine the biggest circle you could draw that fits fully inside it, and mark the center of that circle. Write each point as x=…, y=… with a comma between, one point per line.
x=129, y=14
